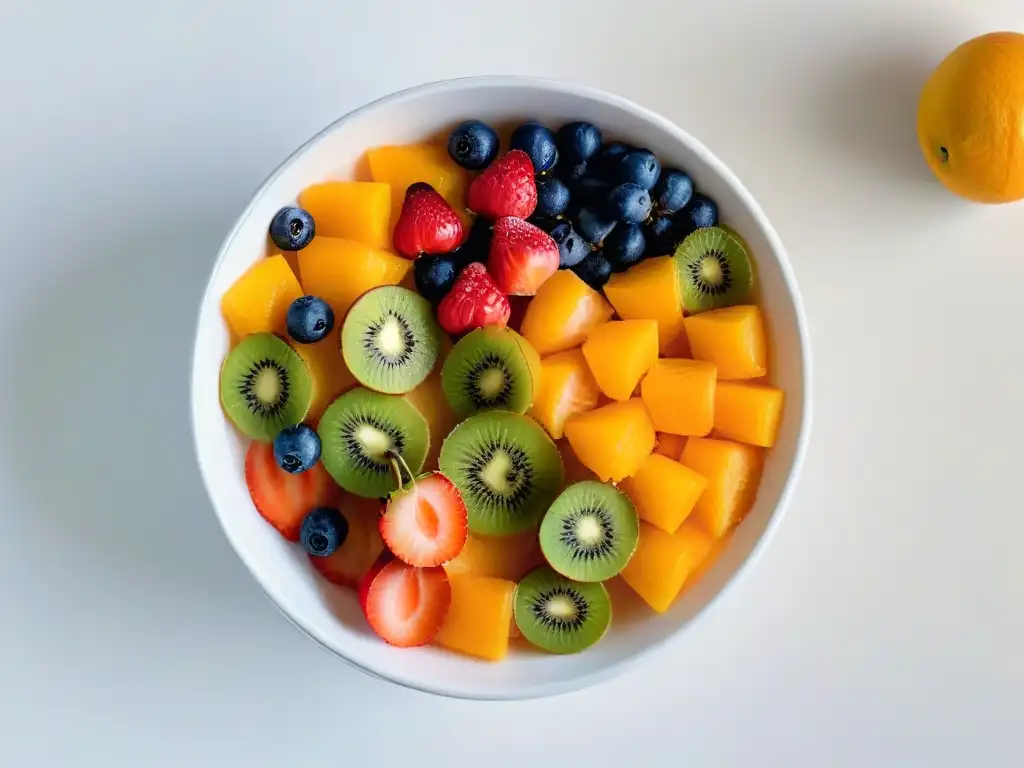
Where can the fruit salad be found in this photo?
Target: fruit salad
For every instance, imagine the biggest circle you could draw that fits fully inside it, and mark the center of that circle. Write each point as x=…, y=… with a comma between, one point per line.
x=504, y=370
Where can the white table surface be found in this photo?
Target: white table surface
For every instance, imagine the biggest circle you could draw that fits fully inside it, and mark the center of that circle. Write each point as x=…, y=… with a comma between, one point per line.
x=885, y=625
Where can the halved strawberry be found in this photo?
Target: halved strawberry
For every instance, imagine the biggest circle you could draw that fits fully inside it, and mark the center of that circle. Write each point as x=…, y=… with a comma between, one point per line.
x=383, y=559
x=362, y=546
x=426, y=522
x=506, y=188
x=406, y=605
x=284, y=499
x=428, y=224
x=522, y=256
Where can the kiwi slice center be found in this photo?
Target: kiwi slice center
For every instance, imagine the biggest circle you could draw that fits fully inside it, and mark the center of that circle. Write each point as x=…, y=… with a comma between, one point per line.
x=374, y=442
x=492, y=384
x=712, y=273
x=502, y=473
x=587, y=533
x=265, y=387
x=390, y=339
x=559, y=608
x=499, y=473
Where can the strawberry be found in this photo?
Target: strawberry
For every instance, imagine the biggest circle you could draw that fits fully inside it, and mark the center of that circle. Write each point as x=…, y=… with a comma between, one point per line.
x=383, y=559
x=362, y=545
x=427, y=224
x=522, y=256
x=506, y=188
x=284, y=499
x=426, y=523
x=406, y=605
x=473, y=302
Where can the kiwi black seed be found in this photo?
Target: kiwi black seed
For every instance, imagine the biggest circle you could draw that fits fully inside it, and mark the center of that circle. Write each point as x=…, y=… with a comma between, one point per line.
x=590, y=531
x=506, y=468
x=560, y=615
x=714, y=270
x=264, y=386
x=390, y=339
x=491, y=368
x=362, y=432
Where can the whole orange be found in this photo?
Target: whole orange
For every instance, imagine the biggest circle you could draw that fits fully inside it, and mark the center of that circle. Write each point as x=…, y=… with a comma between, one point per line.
x=970, y=120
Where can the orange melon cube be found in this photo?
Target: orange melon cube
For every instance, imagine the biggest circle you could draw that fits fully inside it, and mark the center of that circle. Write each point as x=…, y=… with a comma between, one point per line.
x=670, y=445
x=663, y=562
x=567, y=387
x=733, y=472
x=650, y=291
x=428, y=398
x=619, y=353
x=499, y=557
x=575, y=471
x=731, y=338
x=479, y=617
x=664, y=492
x=402, y=165
x=329, y=375
x=258, y=301
x=563, y=313
x=680, y=395
x=748, y=413
x=614, y=440
x=339, y=271
x=354, y=210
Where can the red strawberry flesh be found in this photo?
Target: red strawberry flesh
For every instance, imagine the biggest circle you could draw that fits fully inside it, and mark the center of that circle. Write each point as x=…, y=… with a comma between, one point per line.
x=506, y=188
x=427, y=224
x=383, y=559
x=406, y=605
x=522, y=256
x=426, y=523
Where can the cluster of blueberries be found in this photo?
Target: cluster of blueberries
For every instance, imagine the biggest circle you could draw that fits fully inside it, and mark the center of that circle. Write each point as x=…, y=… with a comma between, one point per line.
x=607, y=205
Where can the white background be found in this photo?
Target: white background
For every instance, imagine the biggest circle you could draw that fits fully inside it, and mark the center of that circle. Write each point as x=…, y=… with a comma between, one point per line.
x=883, y=627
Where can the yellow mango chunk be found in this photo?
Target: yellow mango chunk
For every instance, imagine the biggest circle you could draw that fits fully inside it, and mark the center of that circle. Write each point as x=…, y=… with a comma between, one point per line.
x=650, y=291
x=664, y=561
x=664, y=491
x=614, y=440
x=479, y=618
x=748, y=413
x=619, y=353
x=733, y=472
x=354, y=210
x=339, y=271
x=563, y=313
x=731, y=338
x=567, y=387
x=680, y=395
x=258, y=301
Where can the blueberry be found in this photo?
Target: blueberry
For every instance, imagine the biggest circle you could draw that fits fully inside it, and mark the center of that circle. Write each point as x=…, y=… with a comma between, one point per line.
x=547, y=223
x=473, y=145
x=572, y=173
x=297, y=448
x=591, y=190
x=663, y=236
x=701, y=212
x=323, y=531
x=594, y=270
x=640, y=167
x=291, y=229
x=476, y=246
x=593, y=224
x=608, y=156
x=630, y=203
x=435, y=276
x=538, y=142
x=625, y=246
x=578, y=141
x=673, y=191
x=309, y=319
x=572, y=248
x=552, y=197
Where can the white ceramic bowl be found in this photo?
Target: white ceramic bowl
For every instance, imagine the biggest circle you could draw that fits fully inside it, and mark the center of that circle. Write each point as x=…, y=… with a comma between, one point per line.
x=330, y=615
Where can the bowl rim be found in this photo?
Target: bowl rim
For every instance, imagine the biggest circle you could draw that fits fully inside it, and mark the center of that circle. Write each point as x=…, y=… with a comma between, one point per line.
x=541, y=690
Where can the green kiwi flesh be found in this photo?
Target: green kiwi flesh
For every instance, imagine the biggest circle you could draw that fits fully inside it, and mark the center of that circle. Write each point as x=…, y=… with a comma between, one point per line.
x=559, y=615
x=264, y=386
x=714, y=270
x=362, y=431
x=506, y=468
x=390, y=340
x=590, y=531
x=489, y=369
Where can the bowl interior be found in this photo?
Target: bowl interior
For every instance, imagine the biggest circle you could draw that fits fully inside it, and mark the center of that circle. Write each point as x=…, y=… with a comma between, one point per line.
x=331, y=614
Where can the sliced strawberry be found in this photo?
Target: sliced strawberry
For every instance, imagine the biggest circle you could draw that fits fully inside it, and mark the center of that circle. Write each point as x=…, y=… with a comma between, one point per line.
x=362, y=546
x=473, y=302
x=406, y=605
x=506, y=188
x=522, y=256
x=426, y=523
x=383, y=559
x=428, y=224
x=284, y=499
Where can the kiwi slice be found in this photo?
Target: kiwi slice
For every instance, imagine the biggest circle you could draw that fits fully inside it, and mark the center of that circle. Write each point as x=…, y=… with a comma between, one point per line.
x=390, y=339
x=363, y=432
x=264, y=386
x=560, y=615
x=590, y=531
x=714, y=270
x=491, y=369
x=506, y=468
